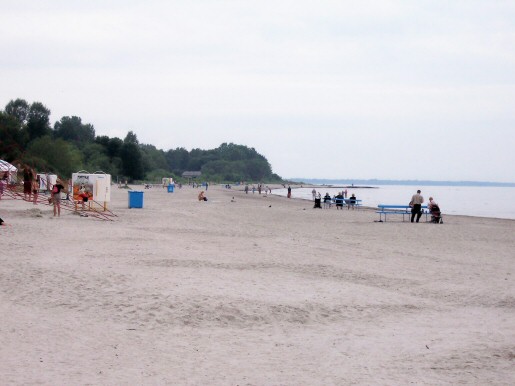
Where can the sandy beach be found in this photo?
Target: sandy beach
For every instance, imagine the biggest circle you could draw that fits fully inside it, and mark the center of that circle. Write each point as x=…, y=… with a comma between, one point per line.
x=252, y=291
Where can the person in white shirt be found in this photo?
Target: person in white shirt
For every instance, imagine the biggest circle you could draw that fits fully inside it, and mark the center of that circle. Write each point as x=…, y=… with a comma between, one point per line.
x=416, y=209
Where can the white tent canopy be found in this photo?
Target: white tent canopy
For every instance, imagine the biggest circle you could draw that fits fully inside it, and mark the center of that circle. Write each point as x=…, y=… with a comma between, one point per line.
x=7, y=167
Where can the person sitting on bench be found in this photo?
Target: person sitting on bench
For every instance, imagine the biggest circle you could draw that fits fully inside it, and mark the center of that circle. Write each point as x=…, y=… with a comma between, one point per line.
x=352, y=201
x=339, y=200
x=327, y=200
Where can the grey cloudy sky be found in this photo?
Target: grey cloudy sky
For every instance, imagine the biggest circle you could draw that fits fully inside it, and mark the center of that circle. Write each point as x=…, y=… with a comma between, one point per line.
x=326, y=89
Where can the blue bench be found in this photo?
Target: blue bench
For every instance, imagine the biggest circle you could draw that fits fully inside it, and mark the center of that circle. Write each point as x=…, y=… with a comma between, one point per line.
x=404, y=210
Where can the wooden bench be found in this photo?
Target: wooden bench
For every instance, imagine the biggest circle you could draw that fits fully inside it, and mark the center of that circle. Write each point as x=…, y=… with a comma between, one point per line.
x=404, y=210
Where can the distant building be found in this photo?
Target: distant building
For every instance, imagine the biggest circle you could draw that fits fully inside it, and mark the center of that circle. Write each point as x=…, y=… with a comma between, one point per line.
x=191, y=175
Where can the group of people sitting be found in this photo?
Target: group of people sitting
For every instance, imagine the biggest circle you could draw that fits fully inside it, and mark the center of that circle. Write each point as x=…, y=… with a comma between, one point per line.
x=339, y=200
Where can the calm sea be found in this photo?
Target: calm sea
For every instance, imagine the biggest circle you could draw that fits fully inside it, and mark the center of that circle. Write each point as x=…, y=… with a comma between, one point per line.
x=497, y=202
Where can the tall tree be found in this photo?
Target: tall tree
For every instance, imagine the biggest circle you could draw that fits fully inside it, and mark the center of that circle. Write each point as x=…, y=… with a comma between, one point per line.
x=19, y=110
x=153, y=158
x=57, y=156
x=114, y=146
x=177, y=159
x=11, y=138
x=132, y=166
x=131, y=138
x=95, y=158
x=38, y=121
x=102, y=140
x=111, y=145
x=72, y=129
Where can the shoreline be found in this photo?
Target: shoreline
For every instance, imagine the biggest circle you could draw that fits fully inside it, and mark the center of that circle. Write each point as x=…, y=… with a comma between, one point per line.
x=375, y=208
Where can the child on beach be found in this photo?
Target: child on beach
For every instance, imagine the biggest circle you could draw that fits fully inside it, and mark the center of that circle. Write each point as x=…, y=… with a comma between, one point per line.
x=56, y=197
x=84, y=196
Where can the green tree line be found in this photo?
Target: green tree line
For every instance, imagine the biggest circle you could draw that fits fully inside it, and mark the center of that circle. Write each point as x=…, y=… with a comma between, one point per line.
x=27, y=137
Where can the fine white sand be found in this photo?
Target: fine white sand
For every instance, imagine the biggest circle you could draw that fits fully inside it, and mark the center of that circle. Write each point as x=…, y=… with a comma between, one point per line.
x=252, y=291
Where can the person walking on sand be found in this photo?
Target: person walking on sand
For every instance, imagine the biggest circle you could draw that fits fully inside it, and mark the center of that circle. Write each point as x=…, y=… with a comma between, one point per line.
x=314, y=194
x=35, y=189
x=416, y=205
x=28, y=177
x=289, y=191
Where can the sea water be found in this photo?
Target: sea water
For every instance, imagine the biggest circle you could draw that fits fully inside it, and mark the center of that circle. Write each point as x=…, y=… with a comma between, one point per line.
x=496, y=202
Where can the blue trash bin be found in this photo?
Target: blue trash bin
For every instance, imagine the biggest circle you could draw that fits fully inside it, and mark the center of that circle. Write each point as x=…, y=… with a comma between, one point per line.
x=135, y=199
x=171, y=187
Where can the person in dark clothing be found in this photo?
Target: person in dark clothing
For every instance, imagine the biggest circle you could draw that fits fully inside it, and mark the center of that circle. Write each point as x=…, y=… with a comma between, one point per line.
x=416, y=206
x=339, y=201
x=352, y=202
x=28, y=177
x=327, y=200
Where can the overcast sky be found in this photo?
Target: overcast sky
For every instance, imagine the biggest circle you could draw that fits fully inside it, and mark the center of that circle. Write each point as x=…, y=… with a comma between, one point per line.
x=323, y=89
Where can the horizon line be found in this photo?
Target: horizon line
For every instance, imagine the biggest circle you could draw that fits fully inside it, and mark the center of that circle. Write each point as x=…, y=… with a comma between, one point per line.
x=401, y=180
